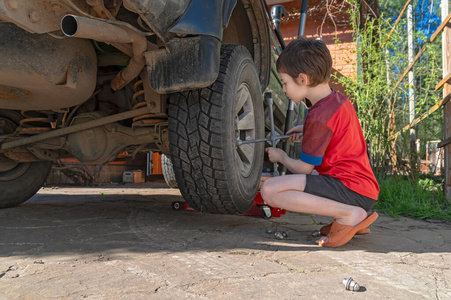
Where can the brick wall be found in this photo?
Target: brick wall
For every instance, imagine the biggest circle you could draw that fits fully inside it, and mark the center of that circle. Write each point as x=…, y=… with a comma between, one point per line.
x=343, y=54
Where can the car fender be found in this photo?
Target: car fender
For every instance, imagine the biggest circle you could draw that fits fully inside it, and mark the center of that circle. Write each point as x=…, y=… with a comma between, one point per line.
x=197, y=18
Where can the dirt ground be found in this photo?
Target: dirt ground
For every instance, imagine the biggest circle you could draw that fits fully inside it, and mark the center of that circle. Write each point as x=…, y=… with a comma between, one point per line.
x=126, y=242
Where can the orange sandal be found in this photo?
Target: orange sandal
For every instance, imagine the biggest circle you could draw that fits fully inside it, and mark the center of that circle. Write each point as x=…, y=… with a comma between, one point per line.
x=326, y=229
x=341, y=234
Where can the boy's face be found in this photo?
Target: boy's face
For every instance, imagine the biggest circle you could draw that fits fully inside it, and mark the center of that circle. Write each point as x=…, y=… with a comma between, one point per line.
x=295, y=89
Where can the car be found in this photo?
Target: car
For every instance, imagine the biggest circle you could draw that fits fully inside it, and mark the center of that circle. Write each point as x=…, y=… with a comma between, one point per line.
x=88, y=79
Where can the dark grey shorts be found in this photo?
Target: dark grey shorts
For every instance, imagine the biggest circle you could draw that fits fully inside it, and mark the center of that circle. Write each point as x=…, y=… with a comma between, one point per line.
x=329, y=187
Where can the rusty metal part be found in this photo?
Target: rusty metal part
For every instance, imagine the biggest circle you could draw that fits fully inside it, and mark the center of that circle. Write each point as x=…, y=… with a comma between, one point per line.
x=149, y=119
x=81, y=12
x=99, y=7
x=72, y=129
x=20, y=156
x=38, y=16
x=48, y=150
x=163, y=137
x=138, y=91
x=34, y=130
x=101, y=144
x=88, y=28
x=15, y=156
x=43, y=154
x=157, y=102
x=39, y=72
x=35, y=122
x=158, y=15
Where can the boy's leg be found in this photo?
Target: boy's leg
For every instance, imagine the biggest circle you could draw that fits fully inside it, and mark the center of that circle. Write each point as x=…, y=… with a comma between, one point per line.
x=288, y=192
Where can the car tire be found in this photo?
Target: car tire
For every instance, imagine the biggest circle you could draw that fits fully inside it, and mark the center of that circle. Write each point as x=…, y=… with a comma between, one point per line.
x=19, y=182
x=213, y=173
x=168, y=171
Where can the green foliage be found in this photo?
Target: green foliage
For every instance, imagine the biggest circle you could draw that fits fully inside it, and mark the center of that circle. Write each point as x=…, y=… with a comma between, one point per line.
x=400, y=196
x=382, y=98
x=391, y=7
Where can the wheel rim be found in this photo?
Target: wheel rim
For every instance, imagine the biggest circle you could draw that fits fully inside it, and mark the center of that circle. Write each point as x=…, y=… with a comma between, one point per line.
x=14, y=173
x=244, y=129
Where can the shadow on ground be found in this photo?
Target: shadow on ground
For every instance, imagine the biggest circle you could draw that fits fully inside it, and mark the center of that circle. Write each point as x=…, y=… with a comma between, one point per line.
x=106, y=220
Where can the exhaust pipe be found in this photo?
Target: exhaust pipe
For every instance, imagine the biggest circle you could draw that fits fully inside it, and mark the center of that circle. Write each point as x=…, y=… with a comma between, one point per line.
x=88, y=28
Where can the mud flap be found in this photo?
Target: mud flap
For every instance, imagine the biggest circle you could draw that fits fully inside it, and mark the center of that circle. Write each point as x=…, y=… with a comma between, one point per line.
x=185, y=64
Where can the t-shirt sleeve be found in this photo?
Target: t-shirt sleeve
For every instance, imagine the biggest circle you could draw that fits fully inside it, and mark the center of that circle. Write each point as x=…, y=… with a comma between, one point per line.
x=317, y=136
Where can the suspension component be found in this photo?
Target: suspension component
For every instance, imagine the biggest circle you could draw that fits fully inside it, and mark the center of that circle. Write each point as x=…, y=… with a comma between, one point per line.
x=146, y=119
x=39, y=121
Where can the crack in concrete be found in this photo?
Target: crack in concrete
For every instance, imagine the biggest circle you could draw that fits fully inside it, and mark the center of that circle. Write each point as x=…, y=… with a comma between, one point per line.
x=5, y=272
x=413, y=260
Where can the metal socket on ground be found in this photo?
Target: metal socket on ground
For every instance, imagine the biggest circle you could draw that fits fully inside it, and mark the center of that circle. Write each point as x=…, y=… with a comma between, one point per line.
x=350, y=284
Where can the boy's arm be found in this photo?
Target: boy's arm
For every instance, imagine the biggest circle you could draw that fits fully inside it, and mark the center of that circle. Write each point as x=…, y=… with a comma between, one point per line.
x=295, y=166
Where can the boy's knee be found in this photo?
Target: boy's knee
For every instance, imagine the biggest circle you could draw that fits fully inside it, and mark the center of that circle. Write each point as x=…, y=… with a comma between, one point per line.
x=267, y=191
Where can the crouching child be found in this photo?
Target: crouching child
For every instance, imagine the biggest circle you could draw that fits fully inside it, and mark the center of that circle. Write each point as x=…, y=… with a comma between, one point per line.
x=333, y=145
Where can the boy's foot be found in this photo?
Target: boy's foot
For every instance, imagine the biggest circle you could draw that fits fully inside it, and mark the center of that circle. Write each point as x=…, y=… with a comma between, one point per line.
x=341, y=234
x=326, y=229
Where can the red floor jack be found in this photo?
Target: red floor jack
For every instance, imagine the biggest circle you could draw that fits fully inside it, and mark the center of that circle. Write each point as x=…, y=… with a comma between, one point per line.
x=258, y=208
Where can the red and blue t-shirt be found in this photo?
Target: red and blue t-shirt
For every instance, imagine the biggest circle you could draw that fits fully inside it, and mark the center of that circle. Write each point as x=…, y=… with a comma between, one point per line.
x=333, y=142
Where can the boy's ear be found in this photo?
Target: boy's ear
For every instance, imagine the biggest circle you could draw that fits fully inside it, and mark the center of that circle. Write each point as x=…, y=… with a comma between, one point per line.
x=303, y=79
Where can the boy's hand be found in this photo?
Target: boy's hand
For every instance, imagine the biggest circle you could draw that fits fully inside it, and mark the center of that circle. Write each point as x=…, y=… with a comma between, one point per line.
x=275, y=155
x=295, y=137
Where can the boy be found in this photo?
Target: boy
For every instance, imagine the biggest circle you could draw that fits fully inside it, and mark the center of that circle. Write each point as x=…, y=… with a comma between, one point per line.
x=333, y=145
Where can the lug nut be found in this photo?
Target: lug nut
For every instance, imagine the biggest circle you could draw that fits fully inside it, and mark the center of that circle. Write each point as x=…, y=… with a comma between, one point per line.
x=350, y=284
x=316, y=233
x=280, y=235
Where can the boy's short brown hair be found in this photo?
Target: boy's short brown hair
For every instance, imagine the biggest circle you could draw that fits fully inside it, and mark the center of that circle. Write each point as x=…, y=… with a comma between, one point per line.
x=308, y=56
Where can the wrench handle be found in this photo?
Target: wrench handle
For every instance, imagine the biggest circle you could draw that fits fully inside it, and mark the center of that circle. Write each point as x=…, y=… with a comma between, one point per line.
x=268, y=97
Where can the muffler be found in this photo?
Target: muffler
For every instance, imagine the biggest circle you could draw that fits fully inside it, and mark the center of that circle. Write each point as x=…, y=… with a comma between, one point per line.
x=38, y=72
x=88, y=28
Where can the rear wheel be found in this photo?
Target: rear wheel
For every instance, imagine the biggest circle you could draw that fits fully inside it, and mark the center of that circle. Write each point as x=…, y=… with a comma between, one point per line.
x=168, y=171
x=18, y=181
x=212, y=172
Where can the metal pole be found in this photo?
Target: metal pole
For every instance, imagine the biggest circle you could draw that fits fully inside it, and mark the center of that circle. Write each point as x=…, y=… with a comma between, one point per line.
x=289, y=116
x=304, y=7
x=277, y=13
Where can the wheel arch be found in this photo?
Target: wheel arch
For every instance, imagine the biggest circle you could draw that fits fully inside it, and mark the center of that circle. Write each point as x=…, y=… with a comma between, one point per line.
x=248, y=26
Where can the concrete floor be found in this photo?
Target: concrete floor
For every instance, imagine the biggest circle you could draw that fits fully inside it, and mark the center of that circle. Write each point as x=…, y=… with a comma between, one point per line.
x=126, y=242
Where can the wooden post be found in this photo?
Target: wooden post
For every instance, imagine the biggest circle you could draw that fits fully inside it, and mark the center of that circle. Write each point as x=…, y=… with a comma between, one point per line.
x=411, y=77
x=446, y=56
x=412, y=153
